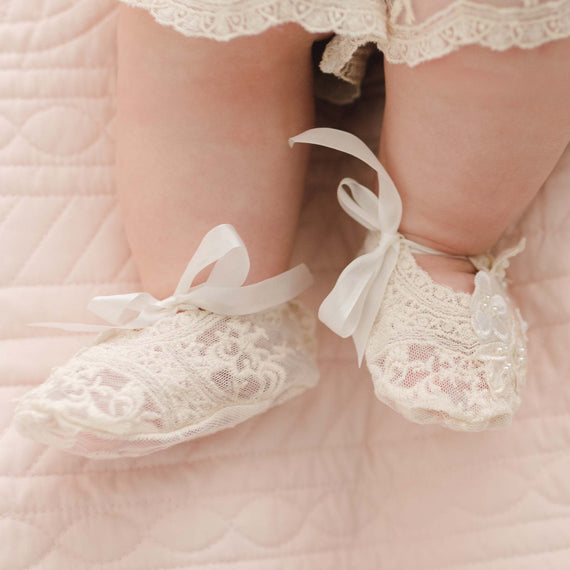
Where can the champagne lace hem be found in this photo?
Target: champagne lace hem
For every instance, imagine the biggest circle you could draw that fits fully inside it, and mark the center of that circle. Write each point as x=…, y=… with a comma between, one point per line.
x=396, y=27
x=461, y=24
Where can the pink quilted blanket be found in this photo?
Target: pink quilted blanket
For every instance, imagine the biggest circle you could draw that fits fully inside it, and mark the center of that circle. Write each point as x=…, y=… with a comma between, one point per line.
x=332, y=480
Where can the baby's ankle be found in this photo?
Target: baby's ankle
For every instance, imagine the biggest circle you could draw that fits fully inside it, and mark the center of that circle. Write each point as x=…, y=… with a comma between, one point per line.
x=459, y=274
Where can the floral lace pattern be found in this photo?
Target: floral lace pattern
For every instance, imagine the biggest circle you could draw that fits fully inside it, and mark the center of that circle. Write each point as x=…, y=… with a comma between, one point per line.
x=133, y=392
x=223, y=20
x=440, y=356
x=402, y=29
x=496, y=25
x=501, y=329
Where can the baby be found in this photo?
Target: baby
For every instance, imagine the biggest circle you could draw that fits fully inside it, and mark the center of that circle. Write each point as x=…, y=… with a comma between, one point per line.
x=203, y=165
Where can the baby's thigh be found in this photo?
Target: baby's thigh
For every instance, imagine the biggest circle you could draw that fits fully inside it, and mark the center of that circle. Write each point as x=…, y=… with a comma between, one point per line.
x=138, y=29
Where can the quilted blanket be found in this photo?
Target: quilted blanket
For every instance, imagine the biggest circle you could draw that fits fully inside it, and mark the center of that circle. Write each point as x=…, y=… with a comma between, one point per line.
x=332, y=480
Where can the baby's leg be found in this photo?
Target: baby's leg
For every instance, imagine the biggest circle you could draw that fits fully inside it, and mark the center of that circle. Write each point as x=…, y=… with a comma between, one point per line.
x=202, y=139
x=202, y=131
x=469, y=139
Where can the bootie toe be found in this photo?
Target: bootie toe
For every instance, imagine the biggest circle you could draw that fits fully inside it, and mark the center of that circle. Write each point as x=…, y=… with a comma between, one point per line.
x=205, y=359
x=446, y=357
x=435, y=355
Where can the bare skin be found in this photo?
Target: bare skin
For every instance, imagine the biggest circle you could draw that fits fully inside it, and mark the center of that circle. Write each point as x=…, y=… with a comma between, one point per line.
x=469, y=139
x=202, y=135
x=202, y=140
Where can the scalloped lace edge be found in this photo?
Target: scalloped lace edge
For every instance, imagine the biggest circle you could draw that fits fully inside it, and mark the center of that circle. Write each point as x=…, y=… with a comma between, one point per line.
x=462, y=23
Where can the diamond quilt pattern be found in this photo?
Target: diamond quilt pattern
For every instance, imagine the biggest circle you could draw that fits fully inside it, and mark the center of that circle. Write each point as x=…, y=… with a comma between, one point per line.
x=331, y=480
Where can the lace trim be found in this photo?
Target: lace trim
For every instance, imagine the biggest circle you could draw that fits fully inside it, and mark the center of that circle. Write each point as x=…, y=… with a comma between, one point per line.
x=419, y=278
x=502, y=333
x=462, y=23
x=189, y=374
x=499, y=326
x=391, y=27
x=224, y=22
x=439, y=356
x=466, y=22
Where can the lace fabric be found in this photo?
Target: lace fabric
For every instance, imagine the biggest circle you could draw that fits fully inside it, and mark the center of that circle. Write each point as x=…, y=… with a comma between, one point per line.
x=134, y=392
x=406, y=31
x=446, y=357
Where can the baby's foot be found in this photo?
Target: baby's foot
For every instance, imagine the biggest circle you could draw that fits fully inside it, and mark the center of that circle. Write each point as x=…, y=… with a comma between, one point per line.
x=444, y=344
x=204, y=359
x=438, y=354
x=190, y=374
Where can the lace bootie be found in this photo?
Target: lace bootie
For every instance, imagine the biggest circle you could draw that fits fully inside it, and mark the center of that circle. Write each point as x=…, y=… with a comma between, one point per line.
x=205, y=359
x=435, y=355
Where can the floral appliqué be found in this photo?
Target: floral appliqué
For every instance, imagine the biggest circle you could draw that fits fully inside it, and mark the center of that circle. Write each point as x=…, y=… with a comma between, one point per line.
x=500, y=326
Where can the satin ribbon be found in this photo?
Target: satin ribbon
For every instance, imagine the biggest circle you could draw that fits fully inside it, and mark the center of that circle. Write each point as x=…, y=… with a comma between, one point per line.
x=351, y=307
x=222, y=293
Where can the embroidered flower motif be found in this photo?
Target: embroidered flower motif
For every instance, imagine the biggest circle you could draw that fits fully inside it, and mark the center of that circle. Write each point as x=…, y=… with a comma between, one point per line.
x=501, y=330
x=509, y=364
x=428, y=362
x=490, y=312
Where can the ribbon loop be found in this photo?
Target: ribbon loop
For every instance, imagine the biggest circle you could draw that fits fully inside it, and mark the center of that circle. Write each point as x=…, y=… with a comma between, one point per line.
x=351, y=307
x=388, y=204
x=223, y=246
x=222, y=293
x=361, y=204
x=124, y=308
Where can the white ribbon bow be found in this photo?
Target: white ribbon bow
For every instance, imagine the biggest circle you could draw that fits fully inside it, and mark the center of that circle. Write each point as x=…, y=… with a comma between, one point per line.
x=351, y=307
x=222, y=293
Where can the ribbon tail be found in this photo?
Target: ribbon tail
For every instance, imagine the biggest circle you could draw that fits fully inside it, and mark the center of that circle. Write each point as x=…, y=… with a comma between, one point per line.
x=72, y=327
x=253, y=298
x=134, y=309
x=114, y=308
x=140, y=308
x=222, y=293
x=389, y=203
x=351, y=307
x=373, y=302
x=342, y=308
x=338, y=140
x=223, y=246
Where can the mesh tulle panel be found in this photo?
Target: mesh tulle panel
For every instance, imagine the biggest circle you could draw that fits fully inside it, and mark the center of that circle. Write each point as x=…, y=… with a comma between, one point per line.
x=439, y=356
x=191, y=374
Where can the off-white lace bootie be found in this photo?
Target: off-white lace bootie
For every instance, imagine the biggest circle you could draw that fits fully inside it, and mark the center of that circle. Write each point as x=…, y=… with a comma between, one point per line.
x=205, y=359
x=435, y=355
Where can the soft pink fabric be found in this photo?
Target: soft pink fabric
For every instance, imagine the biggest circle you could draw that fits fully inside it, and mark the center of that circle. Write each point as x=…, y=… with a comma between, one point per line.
x=331, y=480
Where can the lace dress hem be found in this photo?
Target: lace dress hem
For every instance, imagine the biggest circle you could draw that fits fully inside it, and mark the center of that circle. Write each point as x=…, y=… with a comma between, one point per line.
x=358, y=25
